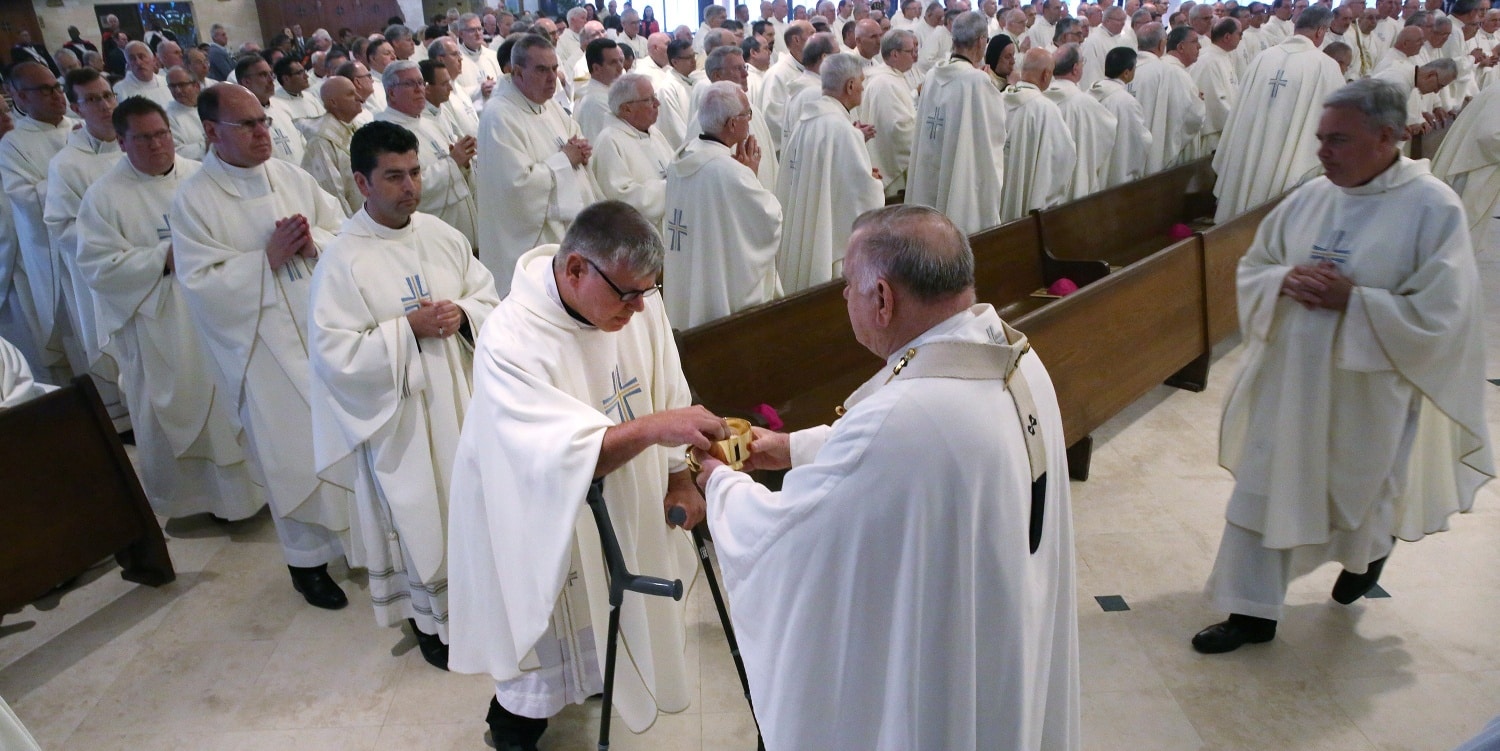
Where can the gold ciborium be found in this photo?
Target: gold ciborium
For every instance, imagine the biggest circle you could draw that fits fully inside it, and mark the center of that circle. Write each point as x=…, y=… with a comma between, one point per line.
x=733, y=451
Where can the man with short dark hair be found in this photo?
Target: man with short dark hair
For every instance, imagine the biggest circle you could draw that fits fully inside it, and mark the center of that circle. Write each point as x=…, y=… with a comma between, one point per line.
x=292, y=99
x=287, y=142
x=1127, y=162
x=606, y=63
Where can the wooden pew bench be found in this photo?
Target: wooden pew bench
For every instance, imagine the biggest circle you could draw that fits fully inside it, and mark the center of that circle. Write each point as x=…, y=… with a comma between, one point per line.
x=1129, y=222
x=1223, y=246
x=1010, y=265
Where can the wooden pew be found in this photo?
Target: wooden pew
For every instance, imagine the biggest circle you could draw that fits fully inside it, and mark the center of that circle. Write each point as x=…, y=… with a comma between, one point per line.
x=1010, y=263
x=1128, y=222
x=1223, y=245
x=70, y=498
x=1425, y=145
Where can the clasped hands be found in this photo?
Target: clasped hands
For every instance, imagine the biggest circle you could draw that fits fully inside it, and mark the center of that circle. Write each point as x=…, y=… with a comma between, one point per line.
x=292, y=237
x=1319, y=285
x=435, y=320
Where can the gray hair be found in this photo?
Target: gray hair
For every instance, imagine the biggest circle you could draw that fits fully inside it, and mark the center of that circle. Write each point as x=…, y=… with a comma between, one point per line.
x=821, y=45
x=576, y=11
x=65, y=54
x=892, y=40
x=716, y=38
x=524, y=46
x=1150, y=37
x=721, y=101
x=1314, y=17
x=1442, y=22
x=838, y=70
x=1444, y=65
x=970, y=28
x=396, y=31
x=612, y=233
x=1381, y=102
x=438, y=48
x=718, y=61
x=389, y=77
x=626, y=88
x=916, y=247
x=1067, y=60
x=322, y=34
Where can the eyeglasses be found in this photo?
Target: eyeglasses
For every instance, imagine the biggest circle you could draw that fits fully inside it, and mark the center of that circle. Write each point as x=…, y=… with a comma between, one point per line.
x=108, y=96
x=160, y=135
x=631, y=296
x=55, y=88
x=251, y=124
x=653, y=100
x=416, y=84
x=181, y=85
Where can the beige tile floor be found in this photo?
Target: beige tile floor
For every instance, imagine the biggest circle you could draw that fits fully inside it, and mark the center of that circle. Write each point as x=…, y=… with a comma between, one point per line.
x=229, y=658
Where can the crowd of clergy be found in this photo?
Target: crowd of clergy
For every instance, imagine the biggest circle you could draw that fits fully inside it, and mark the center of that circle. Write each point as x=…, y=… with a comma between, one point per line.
x=359, y=280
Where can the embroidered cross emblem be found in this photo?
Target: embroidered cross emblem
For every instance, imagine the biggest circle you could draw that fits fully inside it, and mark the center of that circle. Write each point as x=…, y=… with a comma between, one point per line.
x=415, y=292
x=164, y=232
x=793, y=160
x=935, y=122
x=282, y=142
x=1332, y=251
x=296, y=268
x=677, y=229
x=997, y=336
x=1278, y=82
x=619, y=401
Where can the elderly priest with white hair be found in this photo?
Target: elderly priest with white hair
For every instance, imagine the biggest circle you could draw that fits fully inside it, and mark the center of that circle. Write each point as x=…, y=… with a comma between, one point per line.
x=721, y=227
x=960, y=143
x=889, y=105
x=944, y=479
x=631, y=155
x=576, y=379
x=1358, y=418
x=827, y=180
x=534, y=178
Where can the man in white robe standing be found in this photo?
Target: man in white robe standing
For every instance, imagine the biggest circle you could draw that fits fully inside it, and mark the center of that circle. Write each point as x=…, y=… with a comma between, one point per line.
x=728, y=64
x=1039, y=150
x=1093, y=127
x=776, y=89
x=245, y=236
x=576, y=379
x=292, y=99
x=287, y=142
x=480, y=69
x=1169, y=98
x=934, y=39
x=1100, y=42
x=1043, y=28
x=826, y=180
x=457, y=107
x=1269, y=143
x=445, y=159
x=397, y=302
x=631, y=155
x=1218, y=83
x=1358, y=417
x=141, y=77
x=90, y=151
x=959, y=150
x=606, y=63
x=25, y=151
x=721, y=227
x=1469, y=161
x=534, y=178
x=989, y=660
x=327, y=156
x=189, y=448
x=15, y=325
x=182, y=113
x=1127, y=162
x=889, y=106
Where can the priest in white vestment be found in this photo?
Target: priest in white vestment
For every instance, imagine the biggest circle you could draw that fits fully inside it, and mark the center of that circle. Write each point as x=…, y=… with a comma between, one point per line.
x=576, y=379
x=446, y=158
x=1092, y=125
x=182, y=114
x=1469, y=161
x=189, y=446
x=1127, y=162
x=1169, y=98
x=1100, y=42
x=534, y=178
x=1039, y=150
x=292, y=100
x=327, y=155
x=90, y=151
x=631, y=155
x=889, y=106
x=287, y=142
x=958, y=156
x=1358, y=417
x=480, y=69
x=935, y=42
x=24, y=155
x=826, y=180
x=886, y=507
x=398, y=299
x=721, y=227
x=606, y=63
x=141, y=76
x=15, y=323
x=1269, y=144
x=1044, y=27
x=1218, y=83
x=674, y=87
x=808, y=87
x=443, y=91
x=728, y=64
x=245, y=236
x=776, y=89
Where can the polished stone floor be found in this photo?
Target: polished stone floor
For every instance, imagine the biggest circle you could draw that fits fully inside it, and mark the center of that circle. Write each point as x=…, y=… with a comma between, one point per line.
x=229, y=658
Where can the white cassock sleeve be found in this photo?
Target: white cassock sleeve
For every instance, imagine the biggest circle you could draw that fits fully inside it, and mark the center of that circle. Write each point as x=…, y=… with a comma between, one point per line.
x=16, y=384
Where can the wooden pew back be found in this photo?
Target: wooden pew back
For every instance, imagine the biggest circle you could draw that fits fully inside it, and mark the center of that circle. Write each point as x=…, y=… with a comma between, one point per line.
x=1128, y=222
x=1223, y=245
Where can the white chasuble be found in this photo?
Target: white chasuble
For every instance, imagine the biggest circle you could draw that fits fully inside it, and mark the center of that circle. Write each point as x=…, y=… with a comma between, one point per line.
x=760, y=129
x=155, y=89
x=1039, y=153
x=327, y=160
x=1337, y=414
x=1133, y=138
x=1469, y=160
x=1214, y=75
x=722, y=229
x=825, y=184
x=24, y=155
x=287, y=142
x=392, y=403
x=1174, y=111
x=1095, y=49
x=445, y=185
x=591, y=110
x=253, y=319
x=189, y=444
x=892, y=595
x=1269, y=143
x=1093, y=128
x=958, y=156
x=15, y=320
x=631, y=166
x=82, y=161
x=888, y=105
x=546, y=388
x=187, y=131
x=527, y=188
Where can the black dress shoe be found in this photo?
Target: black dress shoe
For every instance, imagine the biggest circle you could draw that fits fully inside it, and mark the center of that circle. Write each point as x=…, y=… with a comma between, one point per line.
x=128, y=438
x=512, y=732
x=317, y=587
x=434, y=651
x=1351, y=587
x=1234, y=633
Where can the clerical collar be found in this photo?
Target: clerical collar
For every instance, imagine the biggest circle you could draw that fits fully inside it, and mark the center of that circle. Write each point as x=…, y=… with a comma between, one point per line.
x=556, y=295
x=957, y=56
x=715, y=139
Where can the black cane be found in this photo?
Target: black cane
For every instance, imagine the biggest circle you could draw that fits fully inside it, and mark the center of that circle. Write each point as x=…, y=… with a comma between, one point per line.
x=620, y=580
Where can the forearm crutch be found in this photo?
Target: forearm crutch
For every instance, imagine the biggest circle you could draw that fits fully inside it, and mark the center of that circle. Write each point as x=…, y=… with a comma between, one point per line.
x=620, y=580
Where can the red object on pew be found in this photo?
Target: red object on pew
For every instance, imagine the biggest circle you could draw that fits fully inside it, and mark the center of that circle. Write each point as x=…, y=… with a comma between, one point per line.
x=773, y=419
x=1180, y=231
x=1062, y=287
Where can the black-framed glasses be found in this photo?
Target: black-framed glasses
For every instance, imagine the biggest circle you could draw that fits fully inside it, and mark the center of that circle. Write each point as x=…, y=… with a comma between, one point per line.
x=626, y=297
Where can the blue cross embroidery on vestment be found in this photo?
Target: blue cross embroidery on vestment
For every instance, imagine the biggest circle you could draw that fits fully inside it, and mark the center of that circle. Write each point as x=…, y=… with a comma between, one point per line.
x=415, y=292
x=1332, y=251
x=1278, y=82
x=619, y=401
x=282, y=142
x=164, y=232
x=935, y=123
x=677, y=229
x=296, y=268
